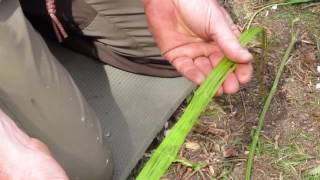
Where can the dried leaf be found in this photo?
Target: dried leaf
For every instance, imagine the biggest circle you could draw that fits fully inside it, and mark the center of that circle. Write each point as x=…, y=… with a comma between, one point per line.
x=192, y=146
x=230, y=152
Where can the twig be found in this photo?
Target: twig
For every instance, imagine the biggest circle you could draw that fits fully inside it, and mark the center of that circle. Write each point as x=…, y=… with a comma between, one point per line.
x=318, y=46
x=202, y=175
x=311, y=5
x=267, y=106
x=243, y=104
x=249, y=23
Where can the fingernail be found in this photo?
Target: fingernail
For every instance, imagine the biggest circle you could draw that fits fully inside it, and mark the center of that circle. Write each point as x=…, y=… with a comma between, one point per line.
x=245, y=55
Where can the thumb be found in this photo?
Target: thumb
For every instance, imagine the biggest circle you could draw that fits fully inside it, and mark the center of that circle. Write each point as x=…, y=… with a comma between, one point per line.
x=221, y=32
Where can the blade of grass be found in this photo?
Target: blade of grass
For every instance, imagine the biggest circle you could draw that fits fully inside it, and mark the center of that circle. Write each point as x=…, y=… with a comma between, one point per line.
x=312, y=174
x=288, y=2
x=266, y=106
x=194, y=165
x=167, y=151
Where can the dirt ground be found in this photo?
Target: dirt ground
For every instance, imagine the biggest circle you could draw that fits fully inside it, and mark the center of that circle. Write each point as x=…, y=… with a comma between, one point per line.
x=289, y=146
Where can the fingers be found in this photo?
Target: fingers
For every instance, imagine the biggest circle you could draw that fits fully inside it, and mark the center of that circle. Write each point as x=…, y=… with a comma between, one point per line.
x=198, y=69
x=231, y=84
x=234, y=27
x=220, y=92
x=244, y=73
x=215, y=58
x=192, y=50
x=186, y=67
x=204, y=65
x=222, y=33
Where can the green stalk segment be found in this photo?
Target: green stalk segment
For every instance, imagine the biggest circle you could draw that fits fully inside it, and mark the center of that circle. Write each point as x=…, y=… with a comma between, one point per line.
x=266, y=106
x=166, y=153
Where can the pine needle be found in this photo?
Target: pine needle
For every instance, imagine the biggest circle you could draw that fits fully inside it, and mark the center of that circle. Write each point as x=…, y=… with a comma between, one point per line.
x=266, y=107
x=167, y=151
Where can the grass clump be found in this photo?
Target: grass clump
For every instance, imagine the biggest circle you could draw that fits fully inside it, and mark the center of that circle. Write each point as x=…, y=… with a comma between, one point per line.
x=286, y=158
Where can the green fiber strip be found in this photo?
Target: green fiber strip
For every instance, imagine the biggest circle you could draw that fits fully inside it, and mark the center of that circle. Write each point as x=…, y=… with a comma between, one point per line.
x=166, y=153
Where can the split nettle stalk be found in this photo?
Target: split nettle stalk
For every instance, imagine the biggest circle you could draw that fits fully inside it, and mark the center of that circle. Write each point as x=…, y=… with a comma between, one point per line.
x=167, y=151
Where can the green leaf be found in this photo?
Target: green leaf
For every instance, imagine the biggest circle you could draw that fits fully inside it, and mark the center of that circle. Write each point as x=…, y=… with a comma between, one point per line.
x=167, y=151
x=297, y=1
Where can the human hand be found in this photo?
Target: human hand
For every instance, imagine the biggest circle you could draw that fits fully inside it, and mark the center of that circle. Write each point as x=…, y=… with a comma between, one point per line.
x=194, y=35
x=24, y=158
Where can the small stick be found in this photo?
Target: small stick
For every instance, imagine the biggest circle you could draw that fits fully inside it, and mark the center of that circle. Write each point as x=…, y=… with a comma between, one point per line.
x=249, y=23
x=244, y=105
x=311, y=5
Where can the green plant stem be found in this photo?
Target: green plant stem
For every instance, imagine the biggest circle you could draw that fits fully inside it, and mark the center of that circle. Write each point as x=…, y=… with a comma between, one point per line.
x=167, y=151
x=259, y=64
x=266, y=106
